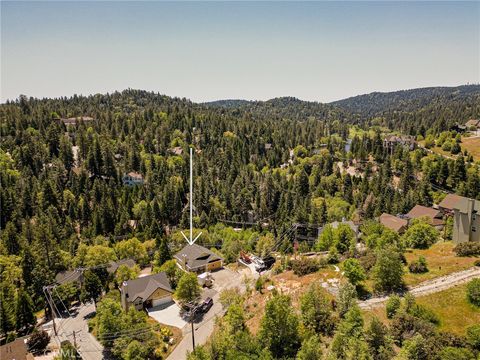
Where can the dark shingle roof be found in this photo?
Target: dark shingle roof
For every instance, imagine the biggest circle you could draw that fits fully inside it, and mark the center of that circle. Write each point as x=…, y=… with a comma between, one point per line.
x=196, y=256
x=69, y=276
x=114, y=265
x=144, y=286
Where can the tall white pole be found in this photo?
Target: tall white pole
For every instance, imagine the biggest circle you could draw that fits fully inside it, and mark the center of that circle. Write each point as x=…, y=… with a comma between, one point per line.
x=191, y=195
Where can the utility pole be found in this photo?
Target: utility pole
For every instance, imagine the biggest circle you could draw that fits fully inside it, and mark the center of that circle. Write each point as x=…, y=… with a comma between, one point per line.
x=46, y=290
x=192, y=315
x=191, y=194
x=74, y=340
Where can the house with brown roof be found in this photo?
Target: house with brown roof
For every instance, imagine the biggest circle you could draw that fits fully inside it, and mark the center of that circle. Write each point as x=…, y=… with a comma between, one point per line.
x=466, y=221
x=198, y=259
x=449, y=203
x=435, y=216
x=393, y=222
x=133, y=178
x=15, y=350
x=146, y=292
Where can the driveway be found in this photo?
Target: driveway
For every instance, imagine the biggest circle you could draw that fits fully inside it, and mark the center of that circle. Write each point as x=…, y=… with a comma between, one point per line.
x=168, y=314
x=204, y=325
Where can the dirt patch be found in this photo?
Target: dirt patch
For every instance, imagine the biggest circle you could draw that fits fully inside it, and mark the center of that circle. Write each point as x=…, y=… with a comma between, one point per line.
x=286, y=283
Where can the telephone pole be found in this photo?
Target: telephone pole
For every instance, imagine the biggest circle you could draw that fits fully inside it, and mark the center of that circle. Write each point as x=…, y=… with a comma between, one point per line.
x=46, y=291
x=193, y=311
x=74, y=340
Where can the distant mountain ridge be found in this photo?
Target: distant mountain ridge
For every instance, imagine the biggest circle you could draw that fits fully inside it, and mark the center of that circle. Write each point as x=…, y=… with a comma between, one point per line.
x=376, y=103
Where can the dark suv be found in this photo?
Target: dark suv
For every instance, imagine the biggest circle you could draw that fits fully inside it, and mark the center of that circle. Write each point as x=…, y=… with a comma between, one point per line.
x=205, y=305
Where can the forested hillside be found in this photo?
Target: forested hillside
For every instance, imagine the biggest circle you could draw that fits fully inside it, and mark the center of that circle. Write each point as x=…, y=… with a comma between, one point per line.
x=414, y=111
x=64, y=203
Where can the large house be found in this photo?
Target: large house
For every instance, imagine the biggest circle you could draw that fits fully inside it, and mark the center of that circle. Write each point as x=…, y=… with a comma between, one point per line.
x=406, y=141
x=74, y=120
x=133, y=178
x=393, y=222
x=466, y=220
x=434, y=216
x=146, y=292
x=198, y=259
x=449, y=202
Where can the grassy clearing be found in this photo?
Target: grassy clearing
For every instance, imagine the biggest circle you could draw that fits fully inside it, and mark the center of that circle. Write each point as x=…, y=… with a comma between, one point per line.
x=441, y=260
x=472, y=145
x=455, y=312
x=453, y=308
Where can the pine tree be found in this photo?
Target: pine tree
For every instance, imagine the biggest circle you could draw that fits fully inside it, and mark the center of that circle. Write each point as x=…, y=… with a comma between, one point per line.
x=24, y=312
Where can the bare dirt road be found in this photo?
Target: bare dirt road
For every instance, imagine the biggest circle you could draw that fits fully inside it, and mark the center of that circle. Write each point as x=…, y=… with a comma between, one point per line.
x=429, y=287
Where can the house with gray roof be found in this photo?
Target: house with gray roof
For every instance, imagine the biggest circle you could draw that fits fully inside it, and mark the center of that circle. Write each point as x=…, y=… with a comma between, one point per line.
x=69, y=276
x=198, y=259
x=466, y=221
x=146, y=292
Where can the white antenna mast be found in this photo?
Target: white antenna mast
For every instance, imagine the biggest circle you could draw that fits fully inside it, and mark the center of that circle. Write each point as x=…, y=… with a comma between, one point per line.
x=191, y=240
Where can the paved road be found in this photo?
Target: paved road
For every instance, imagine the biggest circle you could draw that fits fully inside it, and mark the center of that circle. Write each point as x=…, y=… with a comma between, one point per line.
x=88, y=347
x=205, y=327
x=429, y=287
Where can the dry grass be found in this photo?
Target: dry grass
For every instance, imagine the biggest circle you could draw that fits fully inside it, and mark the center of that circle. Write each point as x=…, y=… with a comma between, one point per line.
x=441, y=260
x=452, y=307
x=472, y=145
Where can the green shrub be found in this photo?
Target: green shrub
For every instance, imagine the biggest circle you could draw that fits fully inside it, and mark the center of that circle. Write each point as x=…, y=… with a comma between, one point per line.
x=473, y=336
x=259, y=284
x=333, y=256
x=424, y=313
x=304, y=266
x=453, y=353
x=368, y=260
x=392, y=306
x=477, y=263
x=467, y=249
x=419, y=266
x=473, y=292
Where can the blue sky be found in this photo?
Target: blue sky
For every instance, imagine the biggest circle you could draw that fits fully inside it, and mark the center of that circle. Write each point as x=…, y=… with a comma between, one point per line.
x=319, y=51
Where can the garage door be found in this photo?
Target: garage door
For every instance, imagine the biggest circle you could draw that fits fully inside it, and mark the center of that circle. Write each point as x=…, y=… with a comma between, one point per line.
x=161, y=301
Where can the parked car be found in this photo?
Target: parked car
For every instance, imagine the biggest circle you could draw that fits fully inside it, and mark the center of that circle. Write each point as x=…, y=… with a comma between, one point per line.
x=205, y=305
x=265, y=264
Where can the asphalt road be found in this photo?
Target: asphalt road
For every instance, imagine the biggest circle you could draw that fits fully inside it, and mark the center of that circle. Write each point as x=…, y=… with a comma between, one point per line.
x=88, y=347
